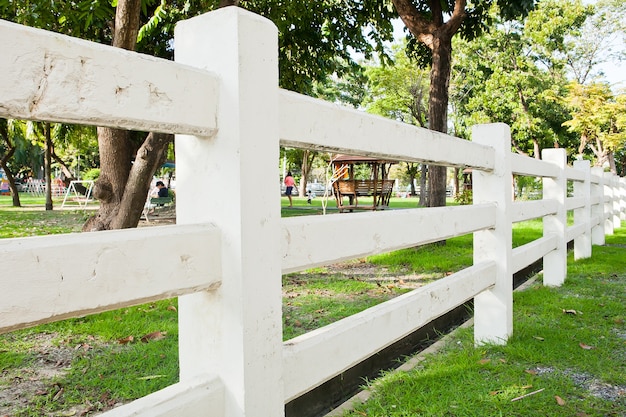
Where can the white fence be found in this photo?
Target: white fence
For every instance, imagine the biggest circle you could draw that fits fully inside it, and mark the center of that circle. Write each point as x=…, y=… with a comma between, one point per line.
x=230, y=246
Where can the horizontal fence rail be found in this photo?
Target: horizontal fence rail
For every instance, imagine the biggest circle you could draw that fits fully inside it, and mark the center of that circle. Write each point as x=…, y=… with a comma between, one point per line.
x=226, y=256
x=86, y=273
x=57, y=78
x=395, y=230
x=346, y=342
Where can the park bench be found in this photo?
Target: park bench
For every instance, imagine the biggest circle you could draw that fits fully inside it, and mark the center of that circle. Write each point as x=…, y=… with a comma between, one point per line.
x=153, y=204
x=379, y=189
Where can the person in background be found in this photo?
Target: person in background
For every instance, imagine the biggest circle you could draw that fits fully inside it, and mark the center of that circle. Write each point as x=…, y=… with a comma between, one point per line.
x=289, y=183
x=162, y=189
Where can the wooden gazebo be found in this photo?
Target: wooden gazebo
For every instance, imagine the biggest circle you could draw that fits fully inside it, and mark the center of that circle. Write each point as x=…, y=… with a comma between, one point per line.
x=346, y=185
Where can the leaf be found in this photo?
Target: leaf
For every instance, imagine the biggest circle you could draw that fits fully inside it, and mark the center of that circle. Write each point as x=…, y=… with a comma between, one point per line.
x=560, y=401
x=172, y=308
x=573, y=312
x=126, y=340
x=539, y=338
x=149, y=377
x=484, y=361
x=153, y=336
x=586, y=347
x=531, y=371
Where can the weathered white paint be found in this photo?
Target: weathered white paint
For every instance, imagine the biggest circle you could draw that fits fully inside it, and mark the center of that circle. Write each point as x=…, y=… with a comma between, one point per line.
x=493, y=309
x=582, y=213
x=306, y=122
x=200, y=397
x=53, y=77
x=523, y=165
x=526, y=254
x=528, y=210
x=555, y=188
x=317, y=356
x=236, y=331
x=56, y=277
x=307, y=240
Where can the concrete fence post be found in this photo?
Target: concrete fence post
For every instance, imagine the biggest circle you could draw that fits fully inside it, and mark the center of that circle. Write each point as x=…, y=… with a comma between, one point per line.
x=608, y=203
x=493, y=308
x=555, y=262
x=236, y=330
x=582, y=215
x=597, y=209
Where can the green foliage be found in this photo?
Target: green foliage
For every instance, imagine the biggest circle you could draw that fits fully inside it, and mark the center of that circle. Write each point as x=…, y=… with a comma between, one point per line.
x=91, y=174
x=509, y=76
x=398, y=91
x=598, y=117
x=464, y=197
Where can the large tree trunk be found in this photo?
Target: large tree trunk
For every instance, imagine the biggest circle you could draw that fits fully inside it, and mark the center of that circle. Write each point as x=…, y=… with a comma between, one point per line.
x=437, y=36
x=438, y=113
x=123, y=186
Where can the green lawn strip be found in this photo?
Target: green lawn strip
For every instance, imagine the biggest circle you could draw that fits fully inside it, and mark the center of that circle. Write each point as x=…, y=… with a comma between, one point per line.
x=102, y=371
x=569, y=342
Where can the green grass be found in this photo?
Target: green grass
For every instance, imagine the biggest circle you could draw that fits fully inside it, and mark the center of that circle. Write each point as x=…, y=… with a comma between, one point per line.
x=95, y=371
x=569, y=342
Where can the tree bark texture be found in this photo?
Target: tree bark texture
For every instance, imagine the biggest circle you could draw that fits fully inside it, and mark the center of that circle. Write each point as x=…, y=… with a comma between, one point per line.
x=123, y=186
x=432, y=31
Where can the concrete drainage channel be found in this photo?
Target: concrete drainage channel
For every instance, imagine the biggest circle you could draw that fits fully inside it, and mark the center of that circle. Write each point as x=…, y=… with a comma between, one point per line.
x=331, y=398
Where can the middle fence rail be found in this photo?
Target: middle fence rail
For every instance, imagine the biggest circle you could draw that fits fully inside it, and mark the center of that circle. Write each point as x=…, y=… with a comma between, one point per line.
x=231, y=245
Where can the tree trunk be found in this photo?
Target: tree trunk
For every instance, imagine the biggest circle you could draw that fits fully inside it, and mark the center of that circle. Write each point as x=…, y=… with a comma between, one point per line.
x=122, y=187
x=48, y=166
x=438, y=113
x=431, y=30
x=4, y=132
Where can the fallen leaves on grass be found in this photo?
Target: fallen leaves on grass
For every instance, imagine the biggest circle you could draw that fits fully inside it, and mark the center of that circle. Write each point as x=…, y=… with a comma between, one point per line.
x=560, y=401
x=153, y=336
x=572, y=312
x=541, y=339
x=126, y=340
x=586, y=347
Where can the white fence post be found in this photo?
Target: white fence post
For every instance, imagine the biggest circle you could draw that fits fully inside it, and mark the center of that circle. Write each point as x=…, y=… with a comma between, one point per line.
x=235, y=331
x=493, y=309
x=608, y=203
x=622, y=201
x=555, y=262
x=617, y=196
x=582, y=215
x=597, y=209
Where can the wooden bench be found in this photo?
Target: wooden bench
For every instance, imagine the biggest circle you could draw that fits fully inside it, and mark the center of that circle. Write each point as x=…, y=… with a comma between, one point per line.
x=381, y=190
x=155, y=203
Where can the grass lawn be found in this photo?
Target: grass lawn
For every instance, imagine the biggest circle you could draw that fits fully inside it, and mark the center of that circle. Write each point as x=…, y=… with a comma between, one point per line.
x=86, y=365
